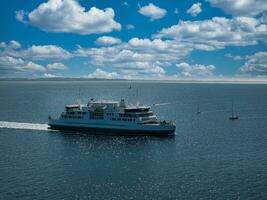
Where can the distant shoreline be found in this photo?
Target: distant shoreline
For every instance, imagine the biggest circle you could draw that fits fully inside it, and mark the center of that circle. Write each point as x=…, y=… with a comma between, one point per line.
x=198, y=81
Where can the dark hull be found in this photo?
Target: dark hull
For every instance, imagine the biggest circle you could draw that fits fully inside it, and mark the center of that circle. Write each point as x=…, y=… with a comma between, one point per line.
x=106, y=131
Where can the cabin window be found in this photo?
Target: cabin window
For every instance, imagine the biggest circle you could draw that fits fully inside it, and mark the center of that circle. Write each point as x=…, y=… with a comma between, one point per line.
x=96, y=115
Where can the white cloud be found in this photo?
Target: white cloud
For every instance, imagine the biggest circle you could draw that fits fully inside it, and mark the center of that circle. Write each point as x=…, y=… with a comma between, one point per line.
x=195, y=9
x=68, y=16
x=130, y=27
x=176, y=11
x=98, y=73
x=14, y=44
x=256, y=64
x=152, y=11
x=228, y=55
x=31, y=66
x=8, y=63
x=195, y=70
x=125, y=3
x=216, y=33
x=21, y=15
x=107, y=40
x=137, y=54
x=45, y=52
x=47, y=75
x=138, y=57
x=35, y=52
x=240, y=7
x=3, y=45
x=56, y=66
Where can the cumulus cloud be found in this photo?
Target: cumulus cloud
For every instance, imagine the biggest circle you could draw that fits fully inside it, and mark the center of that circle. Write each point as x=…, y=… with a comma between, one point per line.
x=3, y=45
x=21, y=15
x=130, y=27
x=241, y=7
x=107, y=40
x=152, y=11
x=14, y=44
x=34, y=52
x=216, y=33
x=228, y=55
x=137, y=56
x=195, y=70
x=68, y=16
x=44, y=52
x=176, y=11
x=56, y=66
x=195, y=9
x=256, y=64
x=125, y=3
x=98, y=73
x=8, y=63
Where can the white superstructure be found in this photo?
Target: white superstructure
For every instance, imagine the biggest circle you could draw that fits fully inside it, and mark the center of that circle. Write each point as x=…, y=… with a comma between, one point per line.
x=111, y=117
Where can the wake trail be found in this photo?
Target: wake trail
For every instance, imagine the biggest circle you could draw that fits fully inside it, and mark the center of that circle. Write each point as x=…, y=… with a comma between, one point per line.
x=21, y=125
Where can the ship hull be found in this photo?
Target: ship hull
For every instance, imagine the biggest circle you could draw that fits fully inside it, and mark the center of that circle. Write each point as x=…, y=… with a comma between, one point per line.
x=113, y=131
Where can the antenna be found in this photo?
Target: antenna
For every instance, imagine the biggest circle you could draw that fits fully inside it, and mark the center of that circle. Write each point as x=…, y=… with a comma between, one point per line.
x=137, y=101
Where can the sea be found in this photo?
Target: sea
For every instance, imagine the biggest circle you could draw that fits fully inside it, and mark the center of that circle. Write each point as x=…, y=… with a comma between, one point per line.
x=210, y=156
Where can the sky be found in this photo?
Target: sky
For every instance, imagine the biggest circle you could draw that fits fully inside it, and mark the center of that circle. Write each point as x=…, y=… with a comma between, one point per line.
x=113, y=39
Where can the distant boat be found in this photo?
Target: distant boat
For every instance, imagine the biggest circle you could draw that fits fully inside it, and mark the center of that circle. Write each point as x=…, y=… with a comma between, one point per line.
x=198, y=110
x=233, y=116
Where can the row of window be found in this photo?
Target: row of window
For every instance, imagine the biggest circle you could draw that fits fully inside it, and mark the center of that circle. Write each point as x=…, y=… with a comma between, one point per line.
x=96, y=115
x=75, y=117
x=123, y=119
x=110, y=114
x=83, y=113
x=79, y=112
x=134, y=115
x=126, y=115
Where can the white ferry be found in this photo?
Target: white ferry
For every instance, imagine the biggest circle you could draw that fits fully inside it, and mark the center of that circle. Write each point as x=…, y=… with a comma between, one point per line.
x=111, y=117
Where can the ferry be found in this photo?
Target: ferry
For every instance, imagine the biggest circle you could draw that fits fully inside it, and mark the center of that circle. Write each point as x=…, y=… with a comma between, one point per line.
x=111, y=118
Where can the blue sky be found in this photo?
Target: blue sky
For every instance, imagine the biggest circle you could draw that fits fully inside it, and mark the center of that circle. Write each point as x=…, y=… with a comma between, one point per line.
x=211, y=39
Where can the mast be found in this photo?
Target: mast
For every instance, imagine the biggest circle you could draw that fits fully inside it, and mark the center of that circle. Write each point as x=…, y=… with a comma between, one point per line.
x=137, y=101
x=232, y=108
x=198, y=110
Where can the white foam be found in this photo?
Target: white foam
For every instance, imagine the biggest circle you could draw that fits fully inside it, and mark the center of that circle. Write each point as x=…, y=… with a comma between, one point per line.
x=20, y=125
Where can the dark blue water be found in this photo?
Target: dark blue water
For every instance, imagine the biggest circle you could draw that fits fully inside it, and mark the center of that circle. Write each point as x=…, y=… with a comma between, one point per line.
x=210, y=157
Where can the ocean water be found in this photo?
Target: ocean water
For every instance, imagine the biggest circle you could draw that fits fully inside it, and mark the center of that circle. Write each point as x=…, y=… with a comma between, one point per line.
x=210, y=157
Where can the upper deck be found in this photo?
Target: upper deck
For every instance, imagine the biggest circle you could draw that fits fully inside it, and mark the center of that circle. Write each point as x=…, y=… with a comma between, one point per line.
x=108, y=106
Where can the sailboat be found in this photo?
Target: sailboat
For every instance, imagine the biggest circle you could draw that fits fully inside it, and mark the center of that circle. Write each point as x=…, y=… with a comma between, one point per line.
x=198, y=110
x=233, y=116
